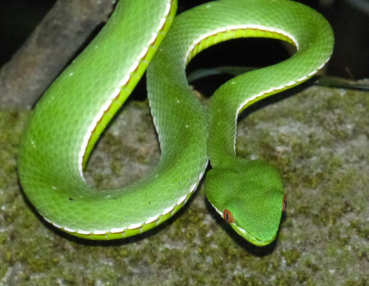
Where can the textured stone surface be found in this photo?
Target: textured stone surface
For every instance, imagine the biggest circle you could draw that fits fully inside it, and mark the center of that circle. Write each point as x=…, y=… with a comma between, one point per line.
x=318, y=139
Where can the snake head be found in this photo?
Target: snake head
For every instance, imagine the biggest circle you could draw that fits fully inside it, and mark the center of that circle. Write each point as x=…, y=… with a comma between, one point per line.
x=249, y=196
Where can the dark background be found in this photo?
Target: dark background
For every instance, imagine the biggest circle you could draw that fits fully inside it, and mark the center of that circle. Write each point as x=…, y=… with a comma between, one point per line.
x=350, y=60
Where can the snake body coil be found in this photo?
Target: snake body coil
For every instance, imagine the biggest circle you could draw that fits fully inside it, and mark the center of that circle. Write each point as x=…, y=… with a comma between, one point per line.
x=75, y=110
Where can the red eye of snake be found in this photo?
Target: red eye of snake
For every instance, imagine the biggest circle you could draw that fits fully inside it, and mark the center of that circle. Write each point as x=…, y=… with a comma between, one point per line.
x=228, y=216
x=284, y=204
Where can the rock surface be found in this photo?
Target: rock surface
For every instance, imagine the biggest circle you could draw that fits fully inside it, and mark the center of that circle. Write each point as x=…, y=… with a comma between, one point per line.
x=318, y=139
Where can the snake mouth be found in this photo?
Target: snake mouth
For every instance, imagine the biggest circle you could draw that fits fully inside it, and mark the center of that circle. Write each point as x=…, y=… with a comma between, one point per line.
x=246, y=235
x=250, y=238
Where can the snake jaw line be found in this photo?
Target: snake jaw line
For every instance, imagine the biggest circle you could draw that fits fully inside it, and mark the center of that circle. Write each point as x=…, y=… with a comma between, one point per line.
x=249, y=237
x=242, y=232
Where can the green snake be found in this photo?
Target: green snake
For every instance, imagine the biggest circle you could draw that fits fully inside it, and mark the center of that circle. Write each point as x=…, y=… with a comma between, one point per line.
x=74, y=111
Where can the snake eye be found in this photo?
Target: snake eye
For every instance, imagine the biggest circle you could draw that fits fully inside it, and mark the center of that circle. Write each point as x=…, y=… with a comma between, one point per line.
x=284, y=204
x=228, y=216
